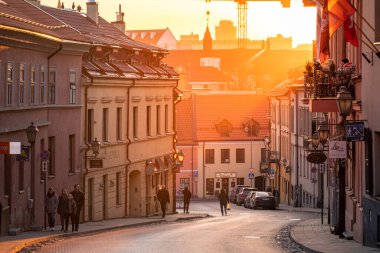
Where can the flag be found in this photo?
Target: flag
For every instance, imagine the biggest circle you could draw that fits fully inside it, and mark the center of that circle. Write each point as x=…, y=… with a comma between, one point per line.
x=339, y=11
x=323, y=38
x=350, y=32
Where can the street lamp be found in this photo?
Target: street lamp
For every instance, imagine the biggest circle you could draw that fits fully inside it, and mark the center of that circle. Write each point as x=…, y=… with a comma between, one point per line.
x=323, y=132
x=315, y=140
x=248, y=130
x=178, y=159
x=31, y=133
x=344, y=101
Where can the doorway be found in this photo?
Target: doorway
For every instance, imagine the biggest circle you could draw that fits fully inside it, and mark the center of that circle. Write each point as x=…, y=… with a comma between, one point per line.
x=105, y=196
x=135, y=194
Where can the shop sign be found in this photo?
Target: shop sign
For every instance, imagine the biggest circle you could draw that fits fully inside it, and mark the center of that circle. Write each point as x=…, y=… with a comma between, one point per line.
x=316, y=157
x=225, y=174
x=337, y=149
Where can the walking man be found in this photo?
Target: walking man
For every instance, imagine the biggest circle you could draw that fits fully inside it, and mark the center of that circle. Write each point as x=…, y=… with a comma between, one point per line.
x=163, y=197
x=223, y=200
x=51, y=205
x=186, y=199
x=79, y=201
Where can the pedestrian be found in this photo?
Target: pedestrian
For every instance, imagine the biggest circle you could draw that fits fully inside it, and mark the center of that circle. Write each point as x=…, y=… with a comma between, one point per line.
x=62, y=207
x=223, y=200
x=51, y=205
x=79, y=201
x=70, y=212
x=186, y=199
x=163, y=197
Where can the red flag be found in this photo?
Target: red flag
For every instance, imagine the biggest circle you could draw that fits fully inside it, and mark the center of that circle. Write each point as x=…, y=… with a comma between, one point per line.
x=339, y=12
x=350, y=32
x=323, y=37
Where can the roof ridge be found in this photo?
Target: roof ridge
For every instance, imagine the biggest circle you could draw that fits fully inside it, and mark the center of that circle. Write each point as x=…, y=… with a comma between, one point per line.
x=32, y=22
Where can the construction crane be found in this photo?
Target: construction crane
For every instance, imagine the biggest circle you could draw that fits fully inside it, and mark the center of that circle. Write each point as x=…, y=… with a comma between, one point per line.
x=242, y=17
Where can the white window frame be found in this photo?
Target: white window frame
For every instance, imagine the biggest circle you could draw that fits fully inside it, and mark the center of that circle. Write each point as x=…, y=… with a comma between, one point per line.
x=73, y=87
x=10, y=82
x=21, y=83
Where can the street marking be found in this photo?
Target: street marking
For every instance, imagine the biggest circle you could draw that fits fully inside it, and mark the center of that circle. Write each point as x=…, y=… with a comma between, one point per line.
x=295, y=219
x=251, y=237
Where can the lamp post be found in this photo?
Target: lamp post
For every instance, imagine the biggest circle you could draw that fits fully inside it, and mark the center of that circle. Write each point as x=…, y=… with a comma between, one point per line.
x=323, y=132
x=31, y=133
x=344, y=101
x=248, y=131
x=267, y=141
x=178, y=159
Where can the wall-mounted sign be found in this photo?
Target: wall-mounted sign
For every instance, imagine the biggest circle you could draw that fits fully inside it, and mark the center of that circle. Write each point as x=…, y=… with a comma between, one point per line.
x=337, y=149
x=96, y=163
x=10, y=148
x=316, y=157
x=355, y=131
x=225, y=174
x=24, y=155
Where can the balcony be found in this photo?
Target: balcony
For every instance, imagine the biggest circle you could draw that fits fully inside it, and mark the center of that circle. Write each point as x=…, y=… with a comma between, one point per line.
x=322, y=83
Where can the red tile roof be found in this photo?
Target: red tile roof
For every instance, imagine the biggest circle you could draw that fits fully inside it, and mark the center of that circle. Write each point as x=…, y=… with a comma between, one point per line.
x=200, y=114
x=149, y=37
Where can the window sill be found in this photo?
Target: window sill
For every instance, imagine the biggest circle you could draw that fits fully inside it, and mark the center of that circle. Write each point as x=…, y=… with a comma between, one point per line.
x=71, y=174
x=118, y=206
x=51, y=176
x=21, y=192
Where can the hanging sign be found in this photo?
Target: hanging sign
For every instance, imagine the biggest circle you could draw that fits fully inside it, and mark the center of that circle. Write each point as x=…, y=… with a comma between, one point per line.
x=337, y=149
x=24, y=155
x=10, y=148
x=355, y=131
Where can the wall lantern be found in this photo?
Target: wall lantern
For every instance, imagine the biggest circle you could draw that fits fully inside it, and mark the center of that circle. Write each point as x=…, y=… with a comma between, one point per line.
x=344, y=100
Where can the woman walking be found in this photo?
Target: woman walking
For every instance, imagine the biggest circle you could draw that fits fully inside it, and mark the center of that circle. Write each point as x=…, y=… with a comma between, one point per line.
x=223, y=200
x=71, y=209
x=63, y=202
x=51, y=205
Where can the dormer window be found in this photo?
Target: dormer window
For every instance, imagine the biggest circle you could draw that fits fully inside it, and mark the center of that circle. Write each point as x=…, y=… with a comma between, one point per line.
x=224, y=128
x=251, y=127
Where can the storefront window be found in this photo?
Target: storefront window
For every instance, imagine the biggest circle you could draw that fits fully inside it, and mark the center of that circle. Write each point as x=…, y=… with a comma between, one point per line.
x=209, y=186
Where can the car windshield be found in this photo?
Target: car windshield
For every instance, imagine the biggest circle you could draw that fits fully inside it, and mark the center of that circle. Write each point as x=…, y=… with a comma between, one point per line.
x=263, y=194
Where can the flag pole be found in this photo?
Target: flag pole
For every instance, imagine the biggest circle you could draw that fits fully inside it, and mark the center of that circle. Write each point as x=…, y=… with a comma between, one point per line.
x=361, y=31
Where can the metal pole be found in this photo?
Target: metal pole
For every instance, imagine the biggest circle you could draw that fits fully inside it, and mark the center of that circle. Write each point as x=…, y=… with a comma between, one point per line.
x=33, y=183
x=45, y=214
x=322, y=200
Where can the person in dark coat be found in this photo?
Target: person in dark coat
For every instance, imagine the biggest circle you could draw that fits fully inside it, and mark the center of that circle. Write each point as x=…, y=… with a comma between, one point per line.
x=163, y=197
x=51, y=205
x=186, y=199
x=79, y=201
x=70, y=212
x=63, y=202
x=223, y=200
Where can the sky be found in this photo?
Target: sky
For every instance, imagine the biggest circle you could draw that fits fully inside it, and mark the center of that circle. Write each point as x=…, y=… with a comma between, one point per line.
x=183, y=17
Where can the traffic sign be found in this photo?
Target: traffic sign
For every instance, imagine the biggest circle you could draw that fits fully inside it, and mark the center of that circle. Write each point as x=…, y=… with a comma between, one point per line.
x=251, y=175
x=44, y=155
x=44, y=166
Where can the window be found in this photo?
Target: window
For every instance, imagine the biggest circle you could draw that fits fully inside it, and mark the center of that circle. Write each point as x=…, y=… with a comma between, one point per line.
x=225, y=156
x=21, y=176
x=73, y=88
x=51, y=87
x=42, y=85
x=72, y=153
x=32, y=85
x=210, y=156
x=51, y=149
x=158, y=120
x=377, y=21
x=148, y=120
x=118, y=123
x=42, y=148
x=240, y=181
x=21, y=85
x=135, y=121
x=118, y=188
x=9, y=83
x=166, y=118
x=240, y=155
x=90, y=125
x=105, y=125
x=184, y=182
x=209, y=186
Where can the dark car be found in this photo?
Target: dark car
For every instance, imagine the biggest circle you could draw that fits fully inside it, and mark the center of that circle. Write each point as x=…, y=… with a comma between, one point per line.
x=264, y=200
x=235, y=191
x=243, y=194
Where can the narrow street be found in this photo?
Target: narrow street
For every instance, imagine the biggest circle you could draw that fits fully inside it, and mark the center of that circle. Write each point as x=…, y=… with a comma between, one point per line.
x=242, y=230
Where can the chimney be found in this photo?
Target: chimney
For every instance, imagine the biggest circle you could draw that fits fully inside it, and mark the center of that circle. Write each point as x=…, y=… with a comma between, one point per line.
x=35, y=2
x=119, y=23
x=92, y=11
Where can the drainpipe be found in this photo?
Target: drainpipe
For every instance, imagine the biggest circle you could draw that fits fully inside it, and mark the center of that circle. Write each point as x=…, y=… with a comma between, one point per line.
x=280, y=143
x=204, y=168
x=175, y=149
x=86, y=139
x=127, y=149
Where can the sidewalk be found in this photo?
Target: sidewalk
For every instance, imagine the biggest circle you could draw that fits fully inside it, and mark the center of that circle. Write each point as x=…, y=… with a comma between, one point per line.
x=312, y=236
x=11, y=244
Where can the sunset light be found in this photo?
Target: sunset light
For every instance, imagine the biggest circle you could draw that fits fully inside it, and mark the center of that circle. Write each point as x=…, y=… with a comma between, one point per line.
x=265, y=19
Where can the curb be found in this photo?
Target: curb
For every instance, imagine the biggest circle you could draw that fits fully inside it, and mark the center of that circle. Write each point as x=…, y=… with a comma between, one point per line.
x=300, y=244
x=19, y=248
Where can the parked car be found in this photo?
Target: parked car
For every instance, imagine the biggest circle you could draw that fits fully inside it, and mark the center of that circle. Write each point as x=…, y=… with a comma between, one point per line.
x=240, y=199
x=263, y=199
x=235, y=192
x=248, y=198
